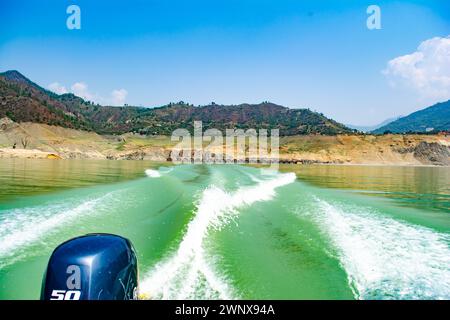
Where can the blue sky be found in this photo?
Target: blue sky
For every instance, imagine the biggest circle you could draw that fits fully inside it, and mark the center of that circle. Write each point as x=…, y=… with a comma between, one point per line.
x=315, y=54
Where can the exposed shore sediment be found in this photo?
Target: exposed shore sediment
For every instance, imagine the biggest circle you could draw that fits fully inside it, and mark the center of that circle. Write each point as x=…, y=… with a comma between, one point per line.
x=39, y=141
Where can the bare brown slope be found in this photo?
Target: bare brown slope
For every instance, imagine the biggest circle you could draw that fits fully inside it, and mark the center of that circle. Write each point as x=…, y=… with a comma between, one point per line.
x=411, y=149
x=340, y=149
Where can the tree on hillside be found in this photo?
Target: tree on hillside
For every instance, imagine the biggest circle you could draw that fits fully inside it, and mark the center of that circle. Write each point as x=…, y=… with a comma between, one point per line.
x=24, y=142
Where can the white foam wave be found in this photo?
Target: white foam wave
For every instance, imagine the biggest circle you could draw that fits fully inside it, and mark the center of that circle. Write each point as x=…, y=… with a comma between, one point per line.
x=386, y=258
x=190, y=273
x=22, y=227
x=152, y=173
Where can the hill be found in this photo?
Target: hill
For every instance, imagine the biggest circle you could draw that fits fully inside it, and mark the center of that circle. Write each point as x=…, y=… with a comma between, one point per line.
x=265, y=115
x=24, y=101
x=434, y=118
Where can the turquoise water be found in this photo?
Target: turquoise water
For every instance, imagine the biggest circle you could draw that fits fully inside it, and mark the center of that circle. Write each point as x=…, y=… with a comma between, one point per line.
x=228, y=231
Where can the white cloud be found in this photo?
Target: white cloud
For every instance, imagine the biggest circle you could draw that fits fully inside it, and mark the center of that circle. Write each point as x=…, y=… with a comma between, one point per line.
x=118, y=97
x=426, y=71
x=57, y=88
x=81, y=89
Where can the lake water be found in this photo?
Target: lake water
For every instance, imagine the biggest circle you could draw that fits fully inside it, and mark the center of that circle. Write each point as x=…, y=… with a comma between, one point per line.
x=229, y=231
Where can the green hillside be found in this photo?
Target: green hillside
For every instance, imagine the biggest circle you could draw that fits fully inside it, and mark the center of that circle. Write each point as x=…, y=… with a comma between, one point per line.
x=434, y=118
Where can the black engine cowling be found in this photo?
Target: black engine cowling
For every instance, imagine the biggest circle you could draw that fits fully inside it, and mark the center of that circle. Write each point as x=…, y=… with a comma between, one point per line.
x=92, y=267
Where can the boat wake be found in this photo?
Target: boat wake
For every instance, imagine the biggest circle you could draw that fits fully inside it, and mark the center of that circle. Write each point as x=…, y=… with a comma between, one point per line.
x=190, y=273
x=385, y=258
x=151, y=173
x=20, y=228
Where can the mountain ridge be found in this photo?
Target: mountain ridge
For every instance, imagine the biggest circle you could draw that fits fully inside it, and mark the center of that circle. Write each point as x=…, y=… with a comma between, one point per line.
x=23, y=100
x=431, y=119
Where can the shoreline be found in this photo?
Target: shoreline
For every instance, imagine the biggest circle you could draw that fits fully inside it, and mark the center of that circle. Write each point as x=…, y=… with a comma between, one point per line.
x=35, y=154
x=41, y=141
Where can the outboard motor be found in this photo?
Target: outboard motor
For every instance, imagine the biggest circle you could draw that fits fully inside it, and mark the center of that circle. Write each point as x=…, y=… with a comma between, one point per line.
x=92, y=267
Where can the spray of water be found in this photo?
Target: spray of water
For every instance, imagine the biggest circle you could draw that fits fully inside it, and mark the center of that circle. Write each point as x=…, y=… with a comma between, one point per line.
x=20, y=228
x=152, y=173
x=190, y=273
x=384, y=257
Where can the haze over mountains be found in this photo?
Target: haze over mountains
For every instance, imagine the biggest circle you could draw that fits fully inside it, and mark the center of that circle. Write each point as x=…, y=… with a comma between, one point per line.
x=371, y=128
x=25, y=101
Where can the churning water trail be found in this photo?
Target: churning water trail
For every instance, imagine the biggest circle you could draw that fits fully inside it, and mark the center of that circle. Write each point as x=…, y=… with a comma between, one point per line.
x=385, y=258
x=22, y=227
x=190, y=272
x=151, y=173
